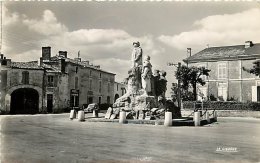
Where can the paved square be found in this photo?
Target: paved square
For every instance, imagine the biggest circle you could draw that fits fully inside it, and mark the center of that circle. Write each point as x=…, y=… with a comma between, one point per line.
x=54, y=138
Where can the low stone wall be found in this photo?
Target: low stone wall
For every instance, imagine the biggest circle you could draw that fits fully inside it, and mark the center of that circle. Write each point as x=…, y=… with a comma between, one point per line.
x=228, y=113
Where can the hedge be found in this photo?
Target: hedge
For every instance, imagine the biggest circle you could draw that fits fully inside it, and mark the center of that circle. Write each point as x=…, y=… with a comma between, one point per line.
x=223, y=105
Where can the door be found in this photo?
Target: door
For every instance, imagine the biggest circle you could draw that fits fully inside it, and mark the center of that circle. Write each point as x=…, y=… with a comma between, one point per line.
x=258, y=93
x=49, y=103
x=90, y=100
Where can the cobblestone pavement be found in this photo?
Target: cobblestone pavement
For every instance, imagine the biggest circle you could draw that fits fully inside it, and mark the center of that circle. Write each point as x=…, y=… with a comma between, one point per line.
x=55, y=138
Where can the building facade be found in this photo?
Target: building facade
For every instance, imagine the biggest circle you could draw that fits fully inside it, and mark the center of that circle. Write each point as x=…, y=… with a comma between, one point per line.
x=228, y=79
x=119, y=90
x=52, y=84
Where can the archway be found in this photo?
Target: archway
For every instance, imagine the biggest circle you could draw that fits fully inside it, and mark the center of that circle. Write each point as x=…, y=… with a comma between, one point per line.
x=116, y=97
x=24, y=101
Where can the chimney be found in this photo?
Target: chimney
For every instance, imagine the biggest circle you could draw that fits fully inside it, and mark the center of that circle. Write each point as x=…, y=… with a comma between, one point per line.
x=40, y=61
x=46, y=53
x=63, y=54
x=77, y=59
x=248, y=44
x=85, y=62
x=97, y=66
x=62, y=65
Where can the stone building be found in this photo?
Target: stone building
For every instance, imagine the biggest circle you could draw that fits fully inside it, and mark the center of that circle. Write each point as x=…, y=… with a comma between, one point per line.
x=119, y=90
x=228, y=79
x=52, y=84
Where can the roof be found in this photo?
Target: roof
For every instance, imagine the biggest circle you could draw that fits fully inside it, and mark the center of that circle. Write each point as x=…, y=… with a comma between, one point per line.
x=226, y=53
x=81, y=63
x=26, y=65
x=33, y=65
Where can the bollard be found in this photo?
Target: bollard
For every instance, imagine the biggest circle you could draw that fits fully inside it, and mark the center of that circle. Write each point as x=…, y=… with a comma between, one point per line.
x=215, y=116
x=196, y=118
x=122, y=117
x=81, y=115
x=95, y=113
x=168, y=119
x=72, y=114
x=207, y=117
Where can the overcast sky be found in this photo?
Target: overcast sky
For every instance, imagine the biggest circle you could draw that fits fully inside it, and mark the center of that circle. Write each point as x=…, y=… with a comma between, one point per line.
x=103, y=32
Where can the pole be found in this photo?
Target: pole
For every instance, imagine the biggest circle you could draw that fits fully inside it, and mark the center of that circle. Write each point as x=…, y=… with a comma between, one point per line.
x=1, y=28
x=179, y=88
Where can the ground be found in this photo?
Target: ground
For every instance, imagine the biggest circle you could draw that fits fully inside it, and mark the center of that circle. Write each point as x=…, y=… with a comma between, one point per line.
x=55, y=138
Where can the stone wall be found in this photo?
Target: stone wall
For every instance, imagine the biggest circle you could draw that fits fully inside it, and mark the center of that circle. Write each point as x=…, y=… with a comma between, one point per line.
x=228, y=113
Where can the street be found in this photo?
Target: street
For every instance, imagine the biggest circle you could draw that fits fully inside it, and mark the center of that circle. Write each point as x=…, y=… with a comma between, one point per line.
x=55, y=138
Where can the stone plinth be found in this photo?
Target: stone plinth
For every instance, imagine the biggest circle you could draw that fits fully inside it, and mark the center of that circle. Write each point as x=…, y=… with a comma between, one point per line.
x=145, y=103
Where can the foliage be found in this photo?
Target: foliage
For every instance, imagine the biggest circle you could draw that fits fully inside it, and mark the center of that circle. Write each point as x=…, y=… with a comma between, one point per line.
x=212, y=97
x=255, y=69
x=225, y=105
x=190, y=77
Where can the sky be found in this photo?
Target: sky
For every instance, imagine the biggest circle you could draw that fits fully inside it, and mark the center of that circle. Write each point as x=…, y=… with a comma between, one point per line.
x=103, y=32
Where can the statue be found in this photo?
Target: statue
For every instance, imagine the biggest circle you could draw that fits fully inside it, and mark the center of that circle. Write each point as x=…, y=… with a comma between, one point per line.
x=162, y=85
x=146, y=75
x=137, y=55
x=156, y=77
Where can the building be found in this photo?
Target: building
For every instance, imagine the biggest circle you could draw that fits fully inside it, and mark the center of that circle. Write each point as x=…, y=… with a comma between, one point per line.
x=52, y=84
x=228, y=79
x=119, y=90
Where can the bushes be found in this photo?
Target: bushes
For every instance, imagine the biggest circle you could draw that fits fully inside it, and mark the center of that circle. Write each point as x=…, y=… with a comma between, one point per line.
x=223, y=105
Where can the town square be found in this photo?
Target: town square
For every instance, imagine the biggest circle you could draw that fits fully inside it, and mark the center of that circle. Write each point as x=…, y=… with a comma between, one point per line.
x=154, y=81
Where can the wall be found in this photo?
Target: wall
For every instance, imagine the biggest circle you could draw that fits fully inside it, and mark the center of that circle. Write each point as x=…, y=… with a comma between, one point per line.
x=239, y=82
x=14, y=77
x=84, y=78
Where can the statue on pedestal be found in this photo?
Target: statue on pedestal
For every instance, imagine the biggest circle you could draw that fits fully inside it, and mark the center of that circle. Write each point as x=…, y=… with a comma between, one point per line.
x=145, y=91
x=146, y=75
x=137, y=55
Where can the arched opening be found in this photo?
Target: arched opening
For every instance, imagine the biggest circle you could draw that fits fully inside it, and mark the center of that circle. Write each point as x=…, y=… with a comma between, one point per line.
x=24, y=101
x=116, y=97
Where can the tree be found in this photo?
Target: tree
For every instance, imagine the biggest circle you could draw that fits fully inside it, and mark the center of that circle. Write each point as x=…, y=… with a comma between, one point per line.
x=255, y=69
x=191, y=77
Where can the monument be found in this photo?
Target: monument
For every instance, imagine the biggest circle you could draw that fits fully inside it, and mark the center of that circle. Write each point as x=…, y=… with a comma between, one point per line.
x=145, y=94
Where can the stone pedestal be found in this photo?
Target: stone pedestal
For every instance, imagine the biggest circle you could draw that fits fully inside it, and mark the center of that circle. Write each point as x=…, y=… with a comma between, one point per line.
x=145, y=103
x=81, y=115
x=196, y=118
x=122, y=117
x=168, y=119
x=72, y=114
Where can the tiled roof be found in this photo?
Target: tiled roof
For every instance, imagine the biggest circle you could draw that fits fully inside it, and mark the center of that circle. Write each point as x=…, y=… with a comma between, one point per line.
x=26, y=65
x=34, y=65
x=225, y=52
x=51, y=68
x=83, y=64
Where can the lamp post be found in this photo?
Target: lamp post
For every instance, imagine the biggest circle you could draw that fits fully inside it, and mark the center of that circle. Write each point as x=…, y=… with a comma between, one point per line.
x=179, y=88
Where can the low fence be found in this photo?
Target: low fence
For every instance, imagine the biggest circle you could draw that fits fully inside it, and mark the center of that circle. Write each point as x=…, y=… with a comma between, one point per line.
x=222, y=105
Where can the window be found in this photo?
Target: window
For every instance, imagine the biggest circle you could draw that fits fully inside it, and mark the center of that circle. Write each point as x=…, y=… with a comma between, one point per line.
x=99, y=100
x=90, y=73
x=50, y=81
x=100, y=85
x=100, y=75
x=222, y=91
x=76, y=83
x=108, y=99
x=222, y=71
x=108, y=87
x=90, y=84
x=117, y=87
x=25, y=77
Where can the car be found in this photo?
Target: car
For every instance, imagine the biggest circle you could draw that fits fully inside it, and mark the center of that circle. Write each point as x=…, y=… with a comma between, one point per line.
x=91, y=108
